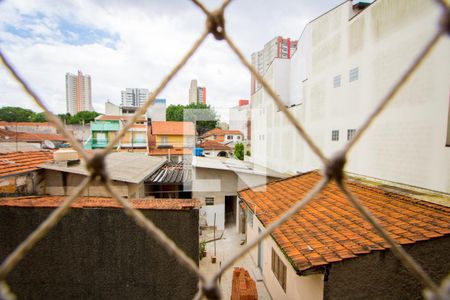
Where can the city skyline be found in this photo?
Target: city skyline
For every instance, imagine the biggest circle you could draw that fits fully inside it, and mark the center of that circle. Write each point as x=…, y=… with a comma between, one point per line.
x=45, y=41
x=78, y=93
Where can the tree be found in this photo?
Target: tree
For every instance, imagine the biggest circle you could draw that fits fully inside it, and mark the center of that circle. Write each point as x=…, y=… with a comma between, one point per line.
x=83, y=117
x=204, y=117
x=239, y=151
x=16, y=114
x=39, y=117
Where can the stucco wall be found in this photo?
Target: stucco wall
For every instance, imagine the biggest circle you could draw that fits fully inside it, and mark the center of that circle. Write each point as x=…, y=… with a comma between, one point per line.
x=99, y=254
x=60, y=184
x=21, y=185
x=406, y=144
x=381, y=276
x=297, y=287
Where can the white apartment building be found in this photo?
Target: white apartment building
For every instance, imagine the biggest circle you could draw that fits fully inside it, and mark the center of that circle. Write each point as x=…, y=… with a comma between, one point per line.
x=78, y=93
x=346, y=62
x=134, y=97
x=197, y=94
x=278, y=47
x=240, y=118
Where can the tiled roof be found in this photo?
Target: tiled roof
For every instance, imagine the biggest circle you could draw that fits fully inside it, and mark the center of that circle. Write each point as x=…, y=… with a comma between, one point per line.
x=218, y=131
x=8, y=135
x=22, y=162
x=213, y=145
x=173, y=128
x=173, y=151
x=330, y=229
x=95, y=202
x=34, y=124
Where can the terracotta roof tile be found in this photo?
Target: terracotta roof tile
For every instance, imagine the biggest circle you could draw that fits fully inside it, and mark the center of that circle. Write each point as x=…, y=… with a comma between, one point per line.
x=34, y=124
x=173, y=128
x=219, y=131
x=93, y=202
x=8, y=135
x=213, y=145
x=330, y=229
x=22, y=162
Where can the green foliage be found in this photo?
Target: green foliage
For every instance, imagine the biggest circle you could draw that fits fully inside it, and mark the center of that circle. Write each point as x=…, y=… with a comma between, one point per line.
x=16, y=114
x=239, y=151
x=39, y=117
x=204, y=117
x=248, y=153
x=82, y=117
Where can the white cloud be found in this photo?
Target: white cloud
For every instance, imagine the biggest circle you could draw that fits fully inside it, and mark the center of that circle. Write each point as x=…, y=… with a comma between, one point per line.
x=149, y=38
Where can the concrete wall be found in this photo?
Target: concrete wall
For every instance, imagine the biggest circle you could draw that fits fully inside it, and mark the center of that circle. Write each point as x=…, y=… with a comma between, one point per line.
x=297, y=287
x=99, y=254
x=218, y=184
x=406, y=144
x=61, y=184
x=239, y=117
x=22, y=185
x=381, y=276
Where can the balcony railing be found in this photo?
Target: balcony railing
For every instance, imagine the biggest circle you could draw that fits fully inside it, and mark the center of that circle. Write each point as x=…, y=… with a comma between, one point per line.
x=105, y=126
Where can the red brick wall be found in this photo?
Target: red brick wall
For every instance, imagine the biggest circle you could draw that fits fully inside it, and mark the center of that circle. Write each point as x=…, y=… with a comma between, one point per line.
x=243, y=286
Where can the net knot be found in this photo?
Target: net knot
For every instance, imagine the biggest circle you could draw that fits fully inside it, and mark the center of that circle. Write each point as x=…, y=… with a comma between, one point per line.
x=216, y=24
x=96, y=166
x=445, y=21
x=210, y=290
x=335, y=167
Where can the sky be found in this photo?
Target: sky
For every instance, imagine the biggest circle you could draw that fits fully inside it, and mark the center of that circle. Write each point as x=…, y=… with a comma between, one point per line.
x=136, y=43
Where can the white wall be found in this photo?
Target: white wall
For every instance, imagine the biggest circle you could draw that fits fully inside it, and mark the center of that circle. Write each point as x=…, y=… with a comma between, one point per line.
x=239, y=117
x=406, y=144
x=297, y=287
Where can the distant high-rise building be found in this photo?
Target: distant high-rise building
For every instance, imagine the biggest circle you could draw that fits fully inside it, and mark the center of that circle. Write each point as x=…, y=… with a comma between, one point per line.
x=134, y=97
x=276, y=48
x=197, y=94
x=78, y=93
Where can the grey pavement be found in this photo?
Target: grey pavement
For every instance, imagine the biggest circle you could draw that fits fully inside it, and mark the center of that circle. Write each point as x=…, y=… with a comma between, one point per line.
x=225, y=248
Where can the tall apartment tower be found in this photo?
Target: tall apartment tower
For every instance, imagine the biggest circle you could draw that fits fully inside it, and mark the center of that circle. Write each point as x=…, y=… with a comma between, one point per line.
x=78, y=93
x=278, y=47
x=134, y=97
x=197, y=94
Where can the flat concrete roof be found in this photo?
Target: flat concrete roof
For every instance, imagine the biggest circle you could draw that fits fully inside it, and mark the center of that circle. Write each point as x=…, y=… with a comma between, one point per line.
x=235, y=165
x=121, y=166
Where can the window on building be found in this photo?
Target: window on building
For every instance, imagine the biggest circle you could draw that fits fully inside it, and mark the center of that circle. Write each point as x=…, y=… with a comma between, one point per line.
x=229, y=137
x=350, y=134
x=335, y=135
x=337, y=81
x=209, y=200
x=164, y=140
x=279, y=269
x=249, y=217
x=353, y=74
x=238, y=137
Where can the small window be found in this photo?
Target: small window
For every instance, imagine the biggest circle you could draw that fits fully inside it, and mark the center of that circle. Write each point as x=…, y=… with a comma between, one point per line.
x=249, y=217
x=229, y=137
x=353, y=74
x=164, y=140
x=238, y=137
x=209, y=200
x=337, y=81
x=279, y=269
x=335, y=135
x=350, y=134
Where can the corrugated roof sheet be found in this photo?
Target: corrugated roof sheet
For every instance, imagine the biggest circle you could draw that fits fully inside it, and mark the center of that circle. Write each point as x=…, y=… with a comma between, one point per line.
x=171, y=151
x=172, y=173
x=330, y=229
x=22, y=162
x=101, y=202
